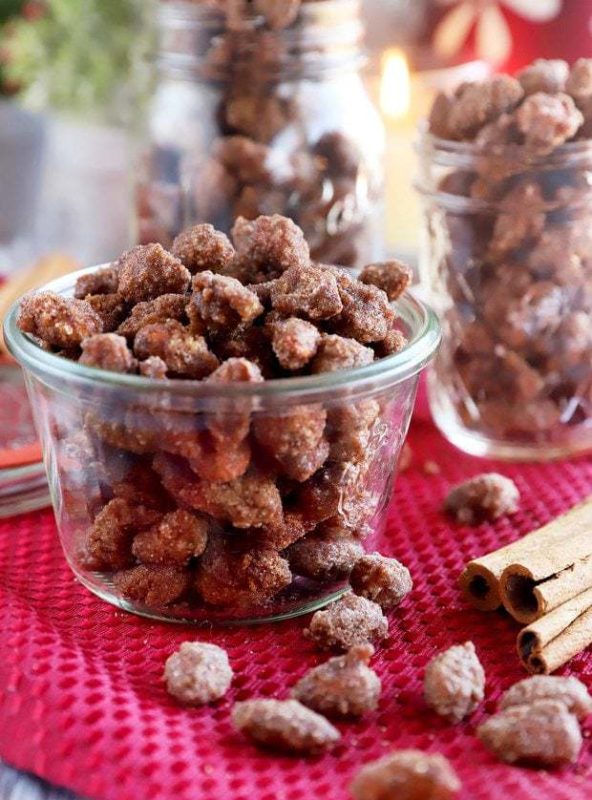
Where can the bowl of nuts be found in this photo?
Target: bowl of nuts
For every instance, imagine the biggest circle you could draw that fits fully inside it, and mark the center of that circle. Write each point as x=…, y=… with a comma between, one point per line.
x=221, y=423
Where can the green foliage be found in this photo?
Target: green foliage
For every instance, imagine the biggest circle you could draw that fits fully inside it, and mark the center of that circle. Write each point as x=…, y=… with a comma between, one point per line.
x=10, y=8
x=84, y=56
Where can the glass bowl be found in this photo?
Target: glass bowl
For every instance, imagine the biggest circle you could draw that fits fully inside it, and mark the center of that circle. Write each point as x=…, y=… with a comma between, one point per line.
x=127, y=457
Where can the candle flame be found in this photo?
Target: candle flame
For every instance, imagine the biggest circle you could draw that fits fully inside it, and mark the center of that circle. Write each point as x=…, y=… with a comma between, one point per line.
x=395, y=86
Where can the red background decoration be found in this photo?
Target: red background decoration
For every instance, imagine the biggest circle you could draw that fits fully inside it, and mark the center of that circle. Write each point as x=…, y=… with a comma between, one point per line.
x=83, y=705
x=568, y=36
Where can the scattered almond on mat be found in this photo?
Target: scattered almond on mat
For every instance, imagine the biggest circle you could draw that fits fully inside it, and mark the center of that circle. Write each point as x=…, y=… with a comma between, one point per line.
x=344, y=686
x=482, y=498
x=349, y=621
x=198, y=673
x=454, y=682
x=384, y=580
x=285, y=725
x=542, y=734
x=406, y=775
x=569, y=691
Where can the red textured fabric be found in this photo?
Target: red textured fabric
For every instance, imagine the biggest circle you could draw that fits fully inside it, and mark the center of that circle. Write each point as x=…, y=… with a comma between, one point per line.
x=82, y=703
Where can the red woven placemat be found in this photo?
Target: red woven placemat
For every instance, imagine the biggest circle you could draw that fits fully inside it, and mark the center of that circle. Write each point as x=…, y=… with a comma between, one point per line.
x=83, y=706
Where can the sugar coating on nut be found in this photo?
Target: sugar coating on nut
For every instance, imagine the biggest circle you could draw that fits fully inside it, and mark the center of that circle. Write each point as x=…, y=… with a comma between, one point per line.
x=480, y=103
x=542, y=733
x=454, y=682
x=198, y=673
x=107, y=351
x=148, y=271
x=109, y=541
x=569, y=691
x=184, y=354
x=384, y=580
x=484, y=497
x=393, y=277
x=294, y=342
x=579, y=83
x=544, y=75
x=203, y=248
x=221, y=303
x=366, y=315
x=58, y=321
x=547, y=121
x=162, y=309
x=336, y=353
x=102, y=281
x=350, y=621
x=407, y=775
x=178, y=537
x=324, y=559
x=343, y=686
x=152, y=586
x=285, y=725
x=236, y=576
x=269, y=246
x=294, y=439
x=111, y=308
x=153, y=367
x=307, y=291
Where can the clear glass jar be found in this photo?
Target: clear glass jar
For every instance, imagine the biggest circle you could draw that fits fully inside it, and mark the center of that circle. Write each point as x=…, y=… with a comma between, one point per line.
x=507, y=261
x=112, y=445
x=254, y=121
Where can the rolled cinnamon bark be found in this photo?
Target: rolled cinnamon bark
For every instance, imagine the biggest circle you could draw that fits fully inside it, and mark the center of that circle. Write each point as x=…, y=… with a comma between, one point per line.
x=480, y=580
x=557, y=568
x=557, y=637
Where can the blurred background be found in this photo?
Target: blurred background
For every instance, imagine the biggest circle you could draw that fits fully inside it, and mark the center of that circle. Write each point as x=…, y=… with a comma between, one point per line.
x=76, y=78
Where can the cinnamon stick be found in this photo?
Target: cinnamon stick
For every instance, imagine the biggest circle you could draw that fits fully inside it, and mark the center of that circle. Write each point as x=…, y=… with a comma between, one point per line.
x=553, y=640
x=556, y=566
x=480, y=580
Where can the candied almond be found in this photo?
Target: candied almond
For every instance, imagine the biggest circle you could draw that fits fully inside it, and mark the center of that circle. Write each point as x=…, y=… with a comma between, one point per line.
x=547, y=121
x=173, y=541
x=294, y=342
x=343, y=686
x=407, y=775
x=149, y=271
x=284, y=725
x=579, y=82
x=153, y=367
x=366, y=315
x=542, y=733
x=109, y=541
x=393, y=277
x=384, y=580
x=162, y=309
x=569, y=691
x=101, y=281
x=183, y=353
x=293, y=439
x=221, y=303
x=544, y=75
x=198, y=673
x=111, y=308
x=480, y=103
x=349, y=621
x=278, y=13
x=228, y=575
x=454, y=682
x=336, y=353
x=58, y=321
x=203, y=248
x=324, y=559
x=107, y=351
x=308, y=291
x=484, y=497
x=269, y=246
x=152, y=585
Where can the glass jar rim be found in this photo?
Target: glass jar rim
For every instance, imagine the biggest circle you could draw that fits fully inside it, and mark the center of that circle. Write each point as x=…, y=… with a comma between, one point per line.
x=453, y=153
x=424, y=339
